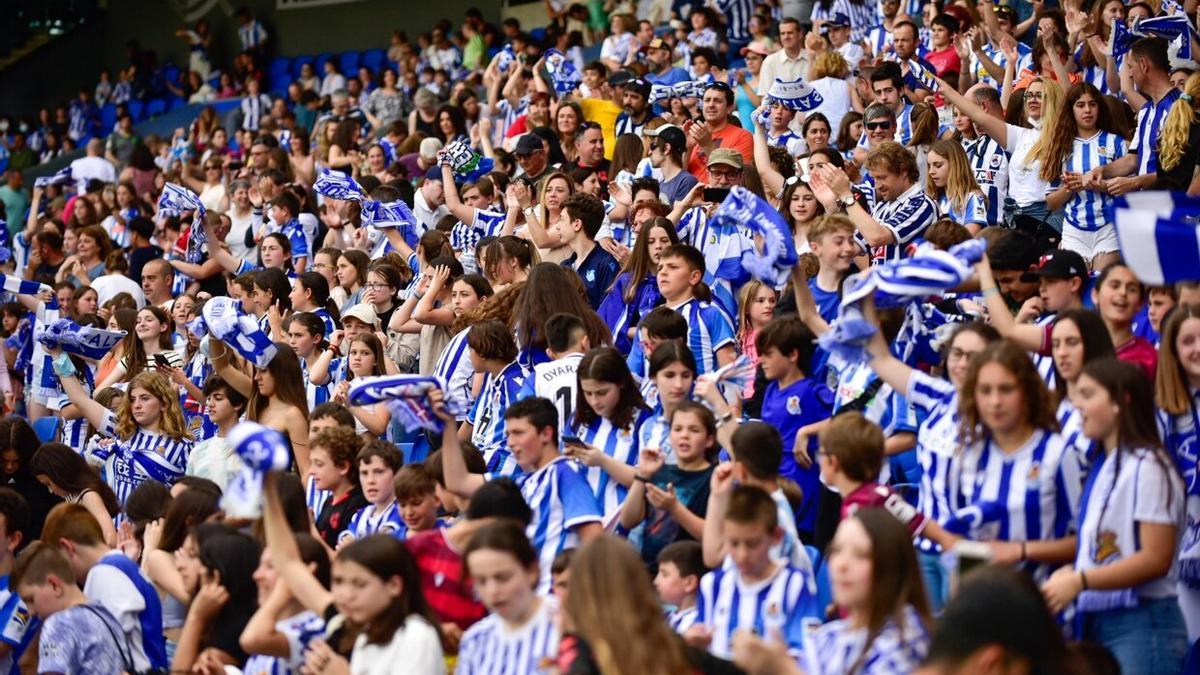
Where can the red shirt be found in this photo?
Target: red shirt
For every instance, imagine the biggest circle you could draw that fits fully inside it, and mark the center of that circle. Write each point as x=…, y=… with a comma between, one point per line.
x=874, y=494
x=1140, y=352
x=444, y=579
x=945, y=61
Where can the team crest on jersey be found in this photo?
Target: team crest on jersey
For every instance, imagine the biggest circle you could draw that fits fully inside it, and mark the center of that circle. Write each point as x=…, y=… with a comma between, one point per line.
x=995, y=161
x=21, y=616
x=1103, y=152
x=591, y=276
x=1105, y=547
x=793, y=405
x=1035, y=471
x=195, y=423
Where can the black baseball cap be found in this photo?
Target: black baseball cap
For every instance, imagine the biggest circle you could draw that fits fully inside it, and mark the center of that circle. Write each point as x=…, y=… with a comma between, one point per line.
x=528, y=144
x=669, y=133
x=621, y=78
x=1060, y=264
x=638, y=86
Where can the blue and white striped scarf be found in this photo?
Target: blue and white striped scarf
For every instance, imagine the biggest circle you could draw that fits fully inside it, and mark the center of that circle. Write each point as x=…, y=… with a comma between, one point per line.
x=224, y=319
x=261, y=449
x=177, y=200
x=743, y=208
x=86, y=341
x=563, y=72
x=61, y=177
x=795, y=95
x=407, y=398
x=1159, y=235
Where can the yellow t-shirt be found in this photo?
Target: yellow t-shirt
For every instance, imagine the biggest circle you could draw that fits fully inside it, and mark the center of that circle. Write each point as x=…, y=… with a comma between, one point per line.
x=603, y=112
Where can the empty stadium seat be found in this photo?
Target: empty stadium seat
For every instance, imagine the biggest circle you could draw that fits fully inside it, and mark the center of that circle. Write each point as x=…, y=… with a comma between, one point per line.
x=46, y=428
x=348, y=63
x=280, y=65
x=373, y=59
x=136, y=108
x=108, y=117
x=155, y=107
x=174, y=102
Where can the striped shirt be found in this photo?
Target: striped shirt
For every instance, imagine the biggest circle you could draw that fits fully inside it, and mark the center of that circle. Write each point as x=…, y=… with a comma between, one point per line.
x=709, y=331
x=254, y=108
x=1037, y=488
x=627, y=125
x=556, y=382
x=144, y=456
x=621, y=445
x=1085, y=210
x=974, y=210
x=886, y=407
x=492, y=648
x=1150, y=120
x=937, y=448
x=454, y=367
x=370, y=520
x=737, y=17
x=906, y=217
x=314, y=497
x=780, y=603
x=680, y=620
x=252, y=34
x=73, y=433
x=836, y=647
x=863, y=14
x=299, y=629
x=879, y=38
x=1024, y=61
x=487, y=418
x=1179, y=433
x=655, y=432
x=989, y=162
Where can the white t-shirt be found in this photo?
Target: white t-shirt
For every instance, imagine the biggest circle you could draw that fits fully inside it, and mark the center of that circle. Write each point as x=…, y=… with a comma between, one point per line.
x=109, y=587
x=86, y=168
x=110, y=285
x=1024, y=185
x=416, y=645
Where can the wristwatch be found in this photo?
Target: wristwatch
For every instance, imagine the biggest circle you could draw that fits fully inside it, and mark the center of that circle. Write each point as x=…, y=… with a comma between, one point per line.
x=847, y=201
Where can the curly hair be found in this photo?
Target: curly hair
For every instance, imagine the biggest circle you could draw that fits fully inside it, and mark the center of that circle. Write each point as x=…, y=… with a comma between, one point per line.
x=895, y=158
x=170, y=421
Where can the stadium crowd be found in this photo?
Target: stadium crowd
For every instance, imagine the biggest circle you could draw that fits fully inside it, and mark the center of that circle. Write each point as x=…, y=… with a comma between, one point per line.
x=763, y=343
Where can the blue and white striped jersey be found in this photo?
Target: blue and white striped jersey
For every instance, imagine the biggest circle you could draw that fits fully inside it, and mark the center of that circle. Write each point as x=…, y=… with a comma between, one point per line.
x=1149, y=126
x=556, y=382
x=1024, y=60
x=937, y=448
x=370, y=520
x=709, y=331
x=863, y=14
x=314, y=497
x=886, y=407
x=17, y=626
x=974, y=210
x=680, y=620
x=655, y=432
x=319, y=393
x=837, y=647
x=299, y=629
x=454, y=367
x=487, y=417
x=144, y=456
x=906, y=217
x=737, y=17
x=252, y=34
x=780, y=603
x=492, y=648
x=989, y=162
x=722, y=246
x=73, y=433
x=621, y=445
x=878, y=38
x=506, y=115
x=1085, y=210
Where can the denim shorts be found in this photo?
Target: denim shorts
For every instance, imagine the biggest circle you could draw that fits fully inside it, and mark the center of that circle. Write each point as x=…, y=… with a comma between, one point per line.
x=1149, y=639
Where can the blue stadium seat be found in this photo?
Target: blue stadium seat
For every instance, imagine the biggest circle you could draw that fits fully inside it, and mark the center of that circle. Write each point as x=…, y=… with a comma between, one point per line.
x=319, y=63
x=299, y=62
x=280, y=65
x=174, y=102
x=373, y=59
x=155, y=108
x=348, y=63
x=171, y=73
x=824, y=588
x=108, y=117
x=46, y=428
x=538, y=34
x=136, y=107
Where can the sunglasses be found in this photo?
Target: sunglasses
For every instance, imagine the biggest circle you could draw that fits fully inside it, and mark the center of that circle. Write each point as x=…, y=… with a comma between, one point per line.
x=876, y=126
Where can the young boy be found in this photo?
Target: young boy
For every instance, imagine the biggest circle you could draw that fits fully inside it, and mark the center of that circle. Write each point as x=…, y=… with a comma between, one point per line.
x=565, y=511
x=680, y=567
x=560, y=571
x=791, y=401
x=566, y=343
x=658, y=326
x=832, y=240
x=285, y=211
x=322, y=417
x=75, y=632
x=213, y=458
x=582, y=216
x=304, y=332
x=17, y=628
x=416, y=495
x=493, y=351
x=377, y=462
x=755, y=593
x=452, y=504
x=710, y=331
x=111, y=580
x=333, y=456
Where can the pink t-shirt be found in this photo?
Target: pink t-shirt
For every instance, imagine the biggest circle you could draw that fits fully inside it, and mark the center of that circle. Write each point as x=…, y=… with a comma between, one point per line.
x=1141, y=352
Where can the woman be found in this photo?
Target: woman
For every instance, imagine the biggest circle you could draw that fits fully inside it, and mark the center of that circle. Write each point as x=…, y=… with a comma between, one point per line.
x=506, y=261
x=377, y=165
x=816, y=132
x=1092, y=55
x=452, y=126
x=567, y=120
x=87, y=264
x=163, y=541
x=542, y=223
x=746, y=91
x=549, y=290
x=352, y=277
x=423, y=118
x=615, y=50
x=211, y=188
x=849, y=132
x=1118, y=297
x=1179, y=143
x=67, y=475
x=302, y=159
x=828, y=74
x=1078, y=337
x=924, y=120
x=343, y=150
x=149, y=345
x=1083, y=140
x=635, y=292
x=627, y=154
x=1123, y=581
x=951, y=183
x=1025, y=207
x=800, y=209
x=386, y=103
x=383, y=283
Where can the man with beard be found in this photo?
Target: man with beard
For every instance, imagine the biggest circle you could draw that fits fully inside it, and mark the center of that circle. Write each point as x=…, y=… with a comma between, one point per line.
x=636, y=108
x=658, y=58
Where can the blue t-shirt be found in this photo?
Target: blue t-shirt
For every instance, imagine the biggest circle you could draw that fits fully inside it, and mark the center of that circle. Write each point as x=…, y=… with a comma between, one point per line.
x=84, y=634
x=800, y=404
x=598, y=271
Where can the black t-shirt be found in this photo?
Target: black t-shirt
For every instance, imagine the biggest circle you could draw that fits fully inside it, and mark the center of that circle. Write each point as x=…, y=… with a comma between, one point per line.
x=138, y=258
x=1179, y=177
x=336, y=515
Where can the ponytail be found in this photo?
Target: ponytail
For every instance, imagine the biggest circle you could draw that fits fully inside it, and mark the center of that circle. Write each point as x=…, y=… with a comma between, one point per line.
x=1181, y=117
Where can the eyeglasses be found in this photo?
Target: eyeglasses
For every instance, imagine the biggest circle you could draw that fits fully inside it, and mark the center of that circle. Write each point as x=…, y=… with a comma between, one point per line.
x=876, y=126
x=1035, y=95
x=957, y=354
x=376, y=284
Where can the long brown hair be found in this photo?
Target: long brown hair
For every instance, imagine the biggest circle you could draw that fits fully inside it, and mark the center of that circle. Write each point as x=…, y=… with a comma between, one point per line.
x=1039, y=408
x=1171, y=390
x=289, y=384
x=70, y=472
x=545, y=294
x=621, y=622
x=1062, y=137
x=135, y=352
x=385, y=557
x=639, y=265
x=170, y=421
x=605, y=364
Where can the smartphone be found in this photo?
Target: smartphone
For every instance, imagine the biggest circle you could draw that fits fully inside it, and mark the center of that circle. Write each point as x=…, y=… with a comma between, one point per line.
x=573, y=440
x=160, y=360
x=967, y=556
x=715, y=195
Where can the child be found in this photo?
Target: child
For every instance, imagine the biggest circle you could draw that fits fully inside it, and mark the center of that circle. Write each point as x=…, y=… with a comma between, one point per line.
x=782, y=596
x=281, y=629
x=452, y=365
x=566, y=342
x=560, y=573
x=582, y=216
x=17, y=628
x=364, y=358
x=493, y=352
x=304, y=332
x=416, y=496
x=67, y=475
x=333, y=454
x=378, y=463
x=672, y=499
x=710, y=330
x=324, y=416
x=658, y=326
x=451, y=504
x=111, y=580
x=285, y=209
x=74, y=632
x=673, y=372
x=520, y=633
x=213, y=458
x=310, y=294
x=564, y=510
x=680, y=567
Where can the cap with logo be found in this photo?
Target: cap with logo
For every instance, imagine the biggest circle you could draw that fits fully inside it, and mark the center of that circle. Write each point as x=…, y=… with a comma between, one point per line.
x=1061, y=264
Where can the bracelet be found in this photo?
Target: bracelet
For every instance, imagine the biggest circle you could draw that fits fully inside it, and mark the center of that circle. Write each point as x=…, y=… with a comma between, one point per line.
x=1083, y=580
x=334, y=349
x=992, y=290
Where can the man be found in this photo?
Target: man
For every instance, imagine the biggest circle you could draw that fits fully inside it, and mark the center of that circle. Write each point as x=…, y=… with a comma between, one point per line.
x=988, y=160
x=788, y=63
x=589, y=148
x=605, y=104
x=636, y=109
x=582, y=216
x=46, y=258
x=157, y=279
x=659, y=59
x=1138, y=170
x=837, y=31
x=989, y=61
x=531, y=155
x=93, y=165
x=667, y=145
x=879, y=38
x=15, y=198
x=115, y=280
x=717, y=131
x=121, y=142
x=255, y=105
x=888, y=85
x=737, y=15
x=944, y=56
x=20, y=155
x=251, y=33
x=907, y=43
x=879, y=126
x=141, y=245
x=340, y=109
x=429, y=201
x=902, y=210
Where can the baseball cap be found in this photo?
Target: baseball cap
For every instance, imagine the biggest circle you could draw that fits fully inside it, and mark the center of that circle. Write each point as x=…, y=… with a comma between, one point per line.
x=620, y=78
x=669, y=133
x=727, y=157
x=657, y=43
x=756, y=48
x=639, y=86
x=527, y=144
x=434, y=173
x=839, y=20
x=1061, y=264
x=365, y=313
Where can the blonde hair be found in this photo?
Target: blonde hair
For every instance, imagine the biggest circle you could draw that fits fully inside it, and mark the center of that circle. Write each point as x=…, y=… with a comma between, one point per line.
x=745, y=299
x=1181, y=117
x=829, y=63
x=170, y=422
x=827, y=225
x=960, y=183
x=1051, y=105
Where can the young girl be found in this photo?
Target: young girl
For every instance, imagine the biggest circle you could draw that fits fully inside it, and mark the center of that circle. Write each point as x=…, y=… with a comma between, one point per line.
x=352, y=277
x=83, y=302
x=65, y=474
x=677, y=493
x=951, y=182
x=272, y=291
x=310, y=293
x=1123, y=580
x=673, y=372
x=492, y=353
x=1118, y=296
x=279, y=631
x=151, y=440
x=151, y=338
x=1083, y=140
x=635, y=292
x=433, y=312
x=521, y=631
x=756, y=302
x=364, y=359
x=609, y=412
x=383, y=282
x=1176, y=392
x=162, y=539
x=453, y=364
x=1078, y=337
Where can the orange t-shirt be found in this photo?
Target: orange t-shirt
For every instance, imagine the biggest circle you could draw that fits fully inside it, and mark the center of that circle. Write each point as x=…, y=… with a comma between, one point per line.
x=731, y=136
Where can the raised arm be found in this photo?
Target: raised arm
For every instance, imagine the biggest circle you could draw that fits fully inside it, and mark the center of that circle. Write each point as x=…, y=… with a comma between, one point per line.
x=772, y=180
x=1028, y=336
x=458, y=479
x=454, y=204
x=223, y=364
x=92, y=410
x=992, y=126
x=285, y=553
x=890, y=369
x=427, y=312
x=806, y=305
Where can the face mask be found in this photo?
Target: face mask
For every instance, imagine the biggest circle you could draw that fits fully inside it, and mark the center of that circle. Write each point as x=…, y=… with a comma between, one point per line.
x=3, y=125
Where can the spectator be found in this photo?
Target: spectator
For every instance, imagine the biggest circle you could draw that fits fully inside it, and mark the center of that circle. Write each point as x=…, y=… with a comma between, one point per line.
x=93, y=166
x=254, y=106
x=15, y=198
x=717, y=131
x=120, y=144
x=667, y=145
